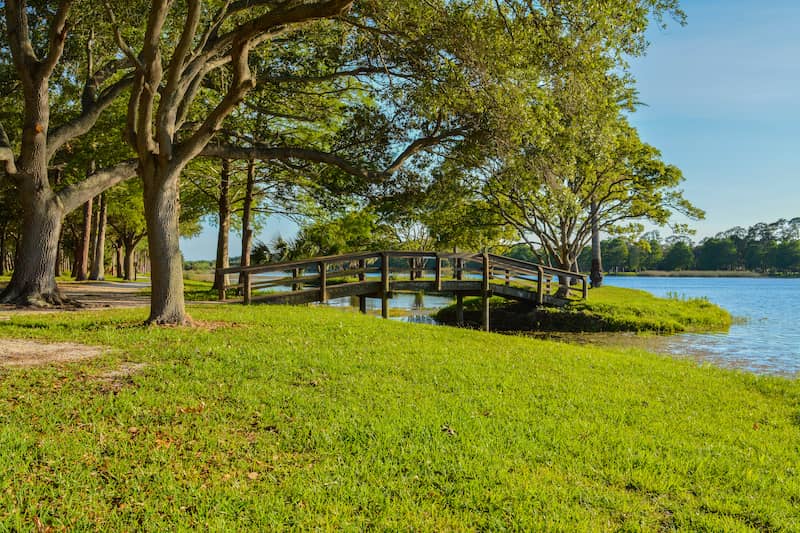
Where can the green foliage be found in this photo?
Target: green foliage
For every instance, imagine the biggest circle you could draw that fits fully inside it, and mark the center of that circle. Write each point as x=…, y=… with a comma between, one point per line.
x=312, y=418
x=678, y=257
x=716, y=254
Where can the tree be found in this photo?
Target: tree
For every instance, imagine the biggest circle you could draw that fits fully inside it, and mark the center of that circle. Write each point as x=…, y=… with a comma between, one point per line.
x=126, y=220
x=558, y=197
x=678, y=257
x=36, y=53
x=166, y=83
x=616, y=254
x=716, y=254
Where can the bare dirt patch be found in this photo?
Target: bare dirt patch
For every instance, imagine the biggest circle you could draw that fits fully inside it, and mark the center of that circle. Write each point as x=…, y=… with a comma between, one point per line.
x=115, y=380
x=21, y=352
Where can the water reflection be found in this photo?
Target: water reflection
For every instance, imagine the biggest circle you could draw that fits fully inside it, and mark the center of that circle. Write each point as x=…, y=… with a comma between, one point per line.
x=414, y=307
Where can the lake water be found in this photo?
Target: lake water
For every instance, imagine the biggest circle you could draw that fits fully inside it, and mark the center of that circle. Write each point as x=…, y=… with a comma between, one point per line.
x=767, y=338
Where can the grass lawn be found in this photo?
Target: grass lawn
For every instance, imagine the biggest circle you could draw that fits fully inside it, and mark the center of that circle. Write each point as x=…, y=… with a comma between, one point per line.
x=289, y=417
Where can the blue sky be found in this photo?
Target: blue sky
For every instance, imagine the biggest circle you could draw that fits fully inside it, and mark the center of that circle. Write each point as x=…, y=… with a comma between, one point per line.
x=722, y=102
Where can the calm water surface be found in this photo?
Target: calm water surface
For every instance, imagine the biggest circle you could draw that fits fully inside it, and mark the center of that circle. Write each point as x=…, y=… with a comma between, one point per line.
x=766, y=341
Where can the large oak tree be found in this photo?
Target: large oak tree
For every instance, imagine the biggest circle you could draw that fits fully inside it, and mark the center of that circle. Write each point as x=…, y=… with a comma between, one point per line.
x=37, y=50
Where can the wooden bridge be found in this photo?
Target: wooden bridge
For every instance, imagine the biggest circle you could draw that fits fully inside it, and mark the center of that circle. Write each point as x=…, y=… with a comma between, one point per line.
x=380, y=274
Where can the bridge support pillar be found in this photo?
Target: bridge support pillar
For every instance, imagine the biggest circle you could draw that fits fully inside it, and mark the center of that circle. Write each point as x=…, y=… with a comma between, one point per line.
x=362, y=304
x=459, y=309
x=485, y=313
x=385, y=305
x=486, y=275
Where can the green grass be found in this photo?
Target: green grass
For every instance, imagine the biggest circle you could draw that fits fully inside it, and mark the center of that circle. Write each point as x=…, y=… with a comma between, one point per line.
x=620, y=309
x=608, y=309
x=313, y=418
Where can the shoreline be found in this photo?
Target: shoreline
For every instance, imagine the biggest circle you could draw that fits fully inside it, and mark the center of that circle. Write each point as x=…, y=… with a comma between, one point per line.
x=699, y=274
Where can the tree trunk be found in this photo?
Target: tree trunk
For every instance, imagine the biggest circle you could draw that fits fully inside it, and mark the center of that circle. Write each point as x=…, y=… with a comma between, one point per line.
x=596, y=273
x=224, y=225
x=33, y=281
x=59, y=258
x=130, y=267
x=118, y=261
x=564, y=281
x=162, y=209
x=3, y=250
x=82, y=258
x=247, y=232
x=99, y=256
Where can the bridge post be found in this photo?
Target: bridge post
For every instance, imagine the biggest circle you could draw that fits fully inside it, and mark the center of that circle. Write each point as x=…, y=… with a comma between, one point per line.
x=295, y=275
x=485, y=292
x=540, y=286
x=438, y=281
x=384, y=285
x=221, y=292
x=323, y=282
x=362, y=276
x=246, y=288
x=458, y=268
x=585, y=288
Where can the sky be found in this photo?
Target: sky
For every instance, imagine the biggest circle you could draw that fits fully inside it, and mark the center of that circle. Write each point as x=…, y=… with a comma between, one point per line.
x=721, y=97
x=721, y=100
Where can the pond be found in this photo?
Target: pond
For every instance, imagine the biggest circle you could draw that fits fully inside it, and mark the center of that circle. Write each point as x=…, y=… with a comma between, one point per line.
x=764, y=339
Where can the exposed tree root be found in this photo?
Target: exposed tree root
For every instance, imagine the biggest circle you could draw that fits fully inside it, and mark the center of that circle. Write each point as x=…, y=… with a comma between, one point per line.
x=166, y=320
x=38, y=299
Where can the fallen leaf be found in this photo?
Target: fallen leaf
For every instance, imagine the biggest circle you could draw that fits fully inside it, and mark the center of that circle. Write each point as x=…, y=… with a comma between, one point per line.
x=199, y=408
x=252, y=475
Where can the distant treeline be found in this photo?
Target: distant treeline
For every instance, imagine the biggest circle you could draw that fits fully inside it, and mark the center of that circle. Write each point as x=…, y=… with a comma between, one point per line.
x=766, y=248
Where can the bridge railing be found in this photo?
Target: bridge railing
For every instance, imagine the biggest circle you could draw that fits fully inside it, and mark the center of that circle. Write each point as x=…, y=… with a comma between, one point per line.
x=539, y=277
x=382, y=268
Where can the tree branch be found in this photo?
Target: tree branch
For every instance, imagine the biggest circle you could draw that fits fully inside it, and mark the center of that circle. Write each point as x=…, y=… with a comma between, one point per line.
x=6, y=153
x=74, y=195
x=87, y=119
x=272, y=153
x=58, y=36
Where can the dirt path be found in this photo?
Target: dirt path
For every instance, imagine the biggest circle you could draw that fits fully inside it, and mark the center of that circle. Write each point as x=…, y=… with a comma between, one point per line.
x=94, y=295
x=88, y=295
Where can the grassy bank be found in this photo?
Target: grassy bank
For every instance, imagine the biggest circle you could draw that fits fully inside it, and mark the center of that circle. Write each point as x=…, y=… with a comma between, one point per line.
x=607, y=309
x=278, y=417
